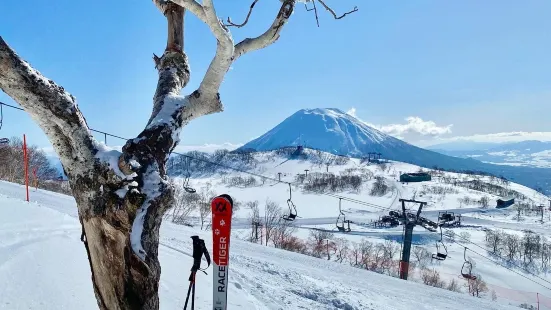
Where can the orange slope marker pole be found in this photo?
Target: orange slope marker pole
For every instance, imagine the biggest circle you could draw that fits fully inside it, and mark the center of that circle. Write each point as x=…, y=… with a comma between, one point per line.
x=26, y=163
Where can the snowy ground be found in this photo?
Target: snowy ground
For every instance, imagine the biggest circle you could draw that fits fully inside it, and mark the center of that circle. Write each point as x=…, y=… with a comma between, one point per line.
x=320, y=211
x=44, y=266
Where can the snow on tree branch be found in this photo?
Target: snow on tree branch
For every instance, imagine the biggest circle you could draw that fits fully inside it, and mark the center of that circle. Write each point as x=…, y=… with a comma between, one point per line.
x=52, y=108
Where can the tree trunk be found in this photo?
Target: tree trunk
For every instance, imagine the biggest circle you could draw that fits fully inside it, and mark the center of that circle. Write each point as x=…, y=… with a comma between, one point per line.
x=121, y=281
x=125, y=275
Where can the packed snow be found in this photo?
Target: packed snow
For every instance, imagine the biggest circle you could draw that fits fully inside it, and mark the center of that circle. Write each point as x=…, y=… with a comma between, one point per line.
x=45, y=264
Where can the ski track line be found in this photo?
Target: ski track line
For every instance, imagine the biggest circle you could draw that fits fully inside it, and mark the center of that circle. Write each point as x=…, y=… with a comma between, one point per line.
x=12, y=250
x=299, y=291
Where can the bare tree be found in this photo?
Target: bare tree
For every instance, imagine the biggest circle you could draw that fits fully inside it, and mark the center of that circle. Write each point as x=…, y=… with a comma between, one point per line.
x=282, y=232
x=432, y=278
x=205, y=196
x=341, y=249
x=454, y=286
x=422, y=256
x=494, y=295
x=184, y=204
x=319, y=242
x=477, y=287
x=484, y=202
x=122, y=196
x=465, y=236
x=254, y=220
x=272, y=215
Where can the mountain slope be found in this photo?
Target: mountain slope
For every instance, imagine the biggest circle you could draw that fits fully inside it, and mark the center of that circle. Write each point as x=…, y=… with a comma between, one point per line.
x=44, y=261
x=334, y=131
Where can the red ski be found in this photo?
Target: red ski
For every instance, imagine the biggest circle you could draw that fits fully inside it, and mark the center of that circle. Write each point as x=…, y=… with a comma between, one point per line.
x=221, y=229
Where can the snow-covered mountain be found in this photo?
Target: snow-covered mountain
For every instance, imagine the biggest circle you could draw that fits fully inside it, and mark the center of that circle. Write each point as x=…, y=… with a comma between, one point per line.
x=334, y=131
x=329, y=130
x=525, y=153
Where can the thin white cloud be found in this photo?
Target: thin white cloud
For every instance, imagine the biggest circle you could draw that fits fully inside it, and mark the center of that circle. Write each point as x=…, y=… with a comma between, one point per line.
x=412, y=129
x=416, y=125
x=514, y=136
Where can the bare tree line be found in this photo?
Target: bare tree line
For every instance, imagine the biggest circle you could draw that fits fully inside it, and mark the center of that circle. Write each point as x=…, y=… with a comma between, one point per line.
x=320, y=182
x=271, y=229
x=201, y=163
x=197, y=163
x=13, y=167
x=187, y=204
x=496, y=185
x=530, y=250
x=379, y=188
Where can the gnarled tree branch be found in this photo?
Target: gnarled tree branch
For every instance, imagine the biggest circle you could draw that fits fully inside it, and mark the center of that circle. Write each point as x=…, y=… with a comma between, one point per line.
x=269, y=36
x=191, y=5
x=315, y=9
x=162, y=130
x=333, y=11
x=230, y=23
x=220, y=64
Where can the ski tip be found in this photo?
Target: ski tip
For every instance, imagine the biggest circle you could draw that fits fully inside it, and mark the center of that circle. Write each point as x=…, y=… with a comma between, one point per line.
x=228, y=197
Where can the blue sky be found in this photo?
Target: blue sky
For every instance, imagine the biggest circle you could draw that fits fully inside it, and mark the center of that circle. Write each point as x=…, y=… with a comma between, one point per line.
x=480, y=66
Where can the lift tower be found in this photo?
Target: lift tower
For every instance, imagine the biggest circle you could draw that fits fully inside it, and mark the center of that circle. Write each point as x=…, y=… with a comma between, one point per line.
x=409, y=223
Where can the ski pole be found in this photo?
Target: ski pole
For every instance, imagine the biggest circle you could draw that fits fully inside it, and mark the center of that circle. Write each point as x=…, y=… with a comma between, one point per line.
x=189, y=290
x=199, y=249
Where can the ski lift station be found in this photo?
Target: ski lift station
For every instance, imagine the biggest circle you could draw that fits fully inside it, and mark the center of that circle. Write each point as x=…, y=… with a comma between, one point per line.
x=415, y=177
x=505, y=202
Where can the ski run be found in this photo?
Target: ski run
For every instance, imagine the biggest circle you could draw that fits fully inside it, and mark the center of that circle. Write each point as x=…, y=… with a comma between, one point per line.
x=44, y=262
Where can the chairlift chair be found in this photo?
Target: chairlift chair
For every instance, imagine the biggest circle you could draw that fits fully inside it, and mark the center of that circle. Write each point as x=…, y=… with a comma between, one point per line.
x=186, y=185
x=440, y=255
x=188, y=188
x=3, y=141
x=292, y=208
x=344, y=220
x=467, y=268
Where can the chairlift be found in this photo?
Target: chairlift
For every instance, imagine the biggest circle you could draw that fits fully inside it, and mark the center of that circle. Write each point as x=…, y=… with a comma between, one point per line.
x=292, y=207
x=344, y=220
x=467, y=268
x=440, y=255
x=186, y=185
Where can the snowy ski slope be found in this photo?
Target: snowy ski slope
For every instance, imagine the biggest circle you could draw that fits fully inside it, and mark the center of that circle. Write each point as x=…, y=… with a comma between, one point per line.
x=43, y=265
x=321, y=211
